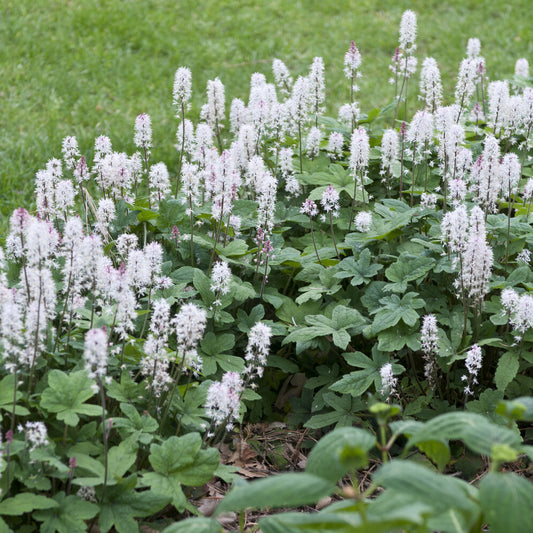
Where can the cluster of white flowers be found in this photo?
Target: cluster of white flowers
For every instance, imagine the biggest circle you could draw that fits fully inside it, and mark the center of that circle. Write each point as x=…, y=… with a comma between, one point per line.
x=349, y=114
x=223, y=400
x=282, y=76
x=430, y=85
x=36, y=434
x=522, y=68
x=352, y=62
x=190, y=325
x=312, y=147
x=403, y=61
x=330, y=201
x=213, y=112
x=182, y=90
x=71, y=152
x=520, y=310
x=220, y=279
x=317, y=86
x=473, y=362
x=143, y=133
x=257, y=349
x=388, y=381
x=96, y=353
x=429, y=338
x=159, y=182
x=309, y=208
x=428, y=200
x=155, y=364
x=477, y=260
x=363, y=221
x=335, y=144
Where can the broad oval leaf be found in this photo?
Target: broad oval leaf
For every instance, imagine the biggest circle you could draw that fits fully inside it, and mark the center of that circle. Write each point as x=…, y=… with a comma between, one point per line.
x=342, y=450
x=278, y=491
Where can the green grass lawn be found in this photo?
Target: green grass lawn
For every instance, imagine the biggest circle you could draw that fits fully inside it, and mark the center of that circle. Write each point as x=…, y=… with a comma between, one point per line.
x=89, y=67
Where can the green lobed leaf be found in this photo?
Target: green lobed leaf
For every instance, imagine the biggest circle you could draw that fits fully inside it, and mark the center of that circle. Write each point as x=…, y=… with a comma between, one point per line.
x=122, y=504
x=25, y=502
x=68, y=517
x=183, y=459
x=66, y=396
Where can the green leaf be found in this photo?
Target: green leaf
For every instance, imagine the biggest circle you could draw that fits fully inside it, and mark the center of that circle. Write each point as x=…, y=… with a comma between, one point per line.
x=395, y=338
x=451, y=498
x=276, y=361
x=507, y=502
x=235, y=248
x=66, y=395
x=68, y=517
x=277, y=491
x=360, y=271
x=122, y=505
x=408, y=268
x=478, y=433
x=393, y=310
x=203, y=286
x=437, y=451
x=120, y=459
x=6, y=396
x=520, y=408
x=127, y=390
x=339, y=452
x=506, y=370
x=344, y=322
x=213, y=344
x=213, y=347
x=183, y=459
x=355, y=383
x=25, y=502
x=168, y=486
x=195, y=525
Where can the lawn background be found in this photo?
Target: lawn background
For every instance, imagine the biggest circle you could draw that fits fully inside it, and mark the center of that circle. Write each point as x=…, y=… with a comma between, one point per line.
x=89, y=67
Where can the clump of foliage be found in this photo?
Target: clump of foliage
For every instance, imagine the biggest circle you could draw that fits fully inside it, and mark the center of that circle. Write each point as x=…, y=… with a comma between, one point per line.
x=144, y=311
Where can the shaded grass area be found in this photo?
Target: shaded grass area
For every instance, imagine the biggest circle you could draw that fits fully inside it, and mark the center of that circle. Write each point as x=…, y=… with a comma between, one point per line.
x=89, y=67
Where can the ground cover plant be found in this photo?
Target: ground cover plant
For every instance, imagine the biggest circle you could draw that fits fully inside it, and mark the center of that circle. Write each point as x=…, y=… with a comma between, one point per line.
x=376, y=263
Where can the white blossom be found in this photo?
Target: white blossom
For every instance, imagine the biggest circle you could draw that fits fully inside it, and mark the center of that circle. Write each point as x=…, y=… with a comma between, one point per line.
x=95, y=353
x=159, y=181
x=189, y=325
x=522, y=68
x=388, y=381
x=335, y=145
x=182, y=89
x=312, y=146
x=363, y=221
x=220, y=277
x=223, y=400
x=257, y=349
x=143, y=132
